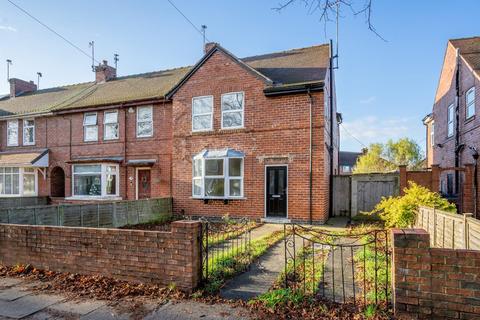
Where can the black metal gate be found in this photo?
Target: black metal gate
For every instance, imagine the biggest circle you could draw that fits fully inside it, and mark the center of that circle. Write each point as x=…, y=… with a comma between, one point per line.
x=339, y=267
x=225, y=244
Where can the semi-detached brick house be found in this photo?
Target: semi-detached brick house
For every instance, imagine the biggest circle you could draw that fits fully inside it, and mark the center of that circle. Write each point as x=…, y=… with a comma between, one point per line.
x=253, y=137
x=453, y=127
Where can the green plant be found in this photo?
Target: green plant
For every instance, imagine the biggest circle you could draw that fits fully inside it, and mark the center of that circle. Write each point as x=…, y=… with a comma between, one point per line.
x=281, y=297
x=370, y=311
x=400, y=211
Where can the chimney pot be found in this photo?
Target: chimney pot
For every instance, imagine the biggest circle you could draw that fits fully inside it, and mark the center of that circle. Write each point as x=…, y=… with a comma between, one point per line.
x=209, y=46
x=104, y=72
x=19, y=86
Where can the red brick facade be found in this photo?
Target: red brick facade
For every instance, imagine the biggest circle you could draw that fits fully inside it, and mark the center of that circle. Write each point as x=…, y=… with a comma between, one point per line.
x=276, y=131
x=140, y=256
x=433, y=283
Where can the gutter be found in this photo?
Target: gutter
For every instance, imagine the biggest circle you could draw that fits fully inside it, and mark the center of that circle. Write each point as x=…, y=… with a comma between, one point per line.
x=294, y=89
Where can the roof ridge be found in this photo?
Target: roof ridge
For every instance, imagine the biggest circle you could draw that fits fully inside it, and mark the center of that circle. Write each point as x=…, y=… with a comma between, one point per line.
x=151, y=72
x=286, y=51
x=465, y=38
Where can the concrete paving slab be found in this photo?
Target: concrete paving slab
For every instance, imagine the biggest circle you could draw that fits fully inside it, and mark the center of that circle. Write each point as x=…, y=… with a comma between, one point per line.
x=27, y=305
x=105, y=313
x=9, y=282
x=13, y=293
x=77, y=307
x=189, y=310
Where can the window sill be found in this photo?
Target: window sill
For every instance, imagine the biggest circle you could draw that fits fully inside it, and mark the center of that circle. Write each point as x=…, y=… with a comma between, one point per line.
x=219, y=198
x=468, y=120
x=95, y=198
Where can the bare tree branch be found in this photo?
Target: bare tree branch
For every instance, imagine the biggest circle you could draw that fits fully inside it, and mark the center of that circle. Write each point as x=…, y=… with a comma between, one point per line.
x=329, y=8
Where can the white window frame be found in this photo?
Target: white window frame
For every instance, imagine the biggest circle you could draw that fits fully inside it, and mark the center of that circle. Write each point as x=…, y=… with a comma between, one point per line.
x=137, y=122
x=105, y=124
x=226, y=177
x=25, y=127
x=21, y=173
x=471, y=104
x=85, y=126
x=233, y=111
x=203, y=114
x=103, y=181
x=15, y=121
x=432, y=134
x=450, y=121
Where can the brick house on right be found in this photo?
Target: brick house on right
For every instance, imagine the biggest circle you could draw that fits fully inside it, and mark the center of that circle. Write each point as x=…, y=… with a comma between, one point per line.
x=453, y=127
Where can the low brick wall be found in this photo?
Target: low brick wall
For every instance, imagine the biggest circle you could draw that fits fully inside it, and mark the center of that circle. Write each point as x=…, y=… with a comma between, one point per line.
x=133, y=255
x=432, y=282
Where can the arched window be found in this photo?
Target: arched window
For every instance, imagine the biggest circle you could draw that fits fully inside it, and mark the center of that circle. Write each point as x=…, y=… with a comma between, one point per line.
x=470, y=103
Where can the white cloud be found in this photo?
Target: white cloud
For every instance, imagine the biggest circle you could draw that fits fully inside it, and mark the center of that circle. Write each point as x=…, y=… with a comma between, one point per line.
x=8, y=28
x=368, y=100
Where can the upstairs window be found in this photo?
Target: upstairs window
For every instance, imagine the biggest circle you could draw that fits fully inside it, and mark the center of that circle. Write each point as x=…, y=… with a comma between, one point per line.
x=202, y=113
x=28, y=132
x=12, y=133
x=90, y=127
x=144, y=122
x=450, y=120
x=110, y=123
x=432, y=134
x=218, y=175
x=470, y=103
x=232, y=110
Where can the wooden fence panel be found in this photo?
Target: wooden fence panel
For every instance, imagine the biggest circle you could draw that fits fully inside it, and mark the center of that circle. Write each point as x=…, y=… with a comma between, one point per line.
x=367, y=190
x=341, y=196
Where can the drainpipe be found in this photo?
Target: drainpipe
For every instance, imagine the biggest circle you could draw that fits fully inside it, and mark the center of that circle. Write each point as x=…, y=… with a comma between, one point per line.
x=457, y=118
x=330, y=91
x=310, y=164
x=127, y=187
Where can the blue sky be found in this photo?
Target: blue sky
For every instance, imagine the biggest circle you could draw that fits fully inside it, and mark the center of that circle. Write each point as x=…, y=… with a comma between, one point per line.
x=383, y=88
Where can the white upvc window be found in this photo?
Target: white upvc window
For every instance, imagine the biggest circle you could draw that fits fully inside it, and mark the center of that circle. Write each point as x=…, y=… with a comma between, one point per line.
x=18, y=182
x=110, y=125
x=217, y=178
x=432, y=134
x=12, y=133
x=233, y=110
x=90, y=127
x=144, y=121
x=202, y=113
x=450, y=120
x=470, y=103
x=95, y=180
x=28, y=132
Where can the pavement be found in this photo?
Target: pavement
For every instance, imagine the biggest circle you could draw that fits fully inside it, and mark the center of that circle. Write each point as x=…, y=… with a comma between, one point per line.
x=19, y=300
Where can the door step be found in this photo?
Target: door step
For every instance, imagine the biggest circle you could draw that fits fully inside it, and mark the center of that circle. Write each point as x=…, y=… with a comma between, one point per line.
x=275, y=220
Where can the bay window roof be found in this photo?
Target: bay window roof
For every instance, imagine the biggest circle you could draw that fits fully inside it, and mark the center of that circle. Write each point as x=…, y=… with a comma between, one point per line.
x=25, y=159
x=220, y=153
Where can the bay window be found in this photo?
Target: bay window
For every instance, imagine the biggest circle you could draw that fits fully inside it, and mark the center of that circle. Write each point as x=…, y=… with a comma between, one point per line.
x=17, y=182
x=110, y=123
x=144, y=121
x=28, y=132
x=202, y=113
x=95, y=180
x=218, y=175
x=12, y=133
x=232, y=110
x=90, y=127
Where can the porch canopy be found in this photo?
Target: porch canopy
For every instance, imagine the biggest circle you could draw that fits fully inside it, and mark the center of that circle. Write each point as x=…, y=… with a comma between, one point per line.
x=141, y=162
x=219, y=153
x=37, y=159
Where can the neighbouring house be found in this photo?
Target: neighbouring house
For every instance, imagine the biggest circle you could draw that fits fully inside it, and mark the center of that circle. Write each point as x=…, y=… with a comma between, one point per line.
x=453, y=127
x=252, y=137
x=347, y=161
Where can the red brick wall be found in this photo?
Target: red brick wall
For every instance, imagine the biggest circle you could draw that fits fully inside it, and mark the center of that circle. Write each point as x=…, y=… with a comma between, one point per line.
x=276, y=132
x=423, y=178
x=433, y=283
x=54, y=133
x=132, y=255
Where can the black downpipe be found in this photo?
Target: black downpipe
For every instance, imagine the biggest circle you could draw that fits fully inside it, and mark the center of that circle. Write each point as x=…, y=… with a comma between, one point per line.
x=457, y=129
x=310, y=180
x=330, y=92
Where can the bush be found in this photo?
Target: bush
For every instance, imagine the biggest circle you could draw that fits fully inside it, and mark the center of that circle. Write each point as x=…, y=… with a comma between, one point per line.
x=401, y=211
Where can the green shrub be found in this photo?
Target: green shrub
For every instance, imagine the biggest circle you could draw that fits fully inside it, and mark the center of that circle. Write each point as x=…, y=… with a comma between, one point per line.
x=401, y=211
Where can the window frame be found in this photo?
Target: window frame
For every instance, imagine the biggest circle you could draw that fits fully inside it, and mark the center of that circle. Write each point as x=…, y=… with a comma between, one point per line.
x=105, y=124
x=450, y=121
x=21, y=189
x=103, y=180
x=85, y=126
x=8, y=133
x=233, y=111
x=432, y=134
x=226, y=178
x=203, y=114
x=471, y=104
x=27, y=143
x=137, y=121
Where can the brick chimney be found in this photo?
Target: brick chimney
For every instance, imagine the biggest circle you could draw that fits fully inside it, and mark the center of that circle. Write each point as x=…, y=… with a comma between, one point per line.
x=19, y=86
x=104, y=72
x=209, y=46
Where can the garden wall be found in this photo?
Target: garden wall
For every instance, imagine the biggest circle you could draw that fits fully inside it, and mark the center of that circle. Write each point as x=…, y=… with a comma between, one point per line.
x=132, y=255
x=433, y=282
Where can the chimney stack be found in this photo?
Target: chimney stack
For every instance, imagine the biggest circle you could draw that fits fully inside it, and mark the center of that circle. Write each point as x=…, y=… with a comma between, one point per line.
x=209, y=46
x=104, y=72
x=19, y=86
